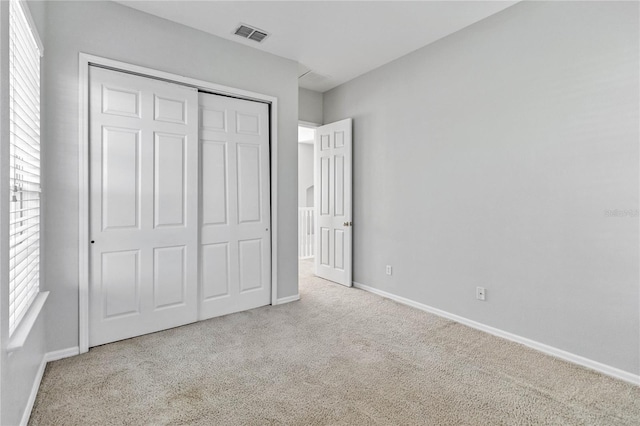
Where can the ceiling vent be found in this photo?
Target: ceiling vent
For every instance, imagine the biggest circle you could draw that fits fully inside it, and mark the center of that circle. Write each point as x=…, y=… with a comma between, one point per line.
x=251, y=33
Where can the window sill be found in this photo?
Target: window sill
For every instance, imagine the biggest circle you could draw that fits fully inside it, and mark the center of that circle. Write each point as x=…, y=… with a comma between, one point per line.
x=20, y=335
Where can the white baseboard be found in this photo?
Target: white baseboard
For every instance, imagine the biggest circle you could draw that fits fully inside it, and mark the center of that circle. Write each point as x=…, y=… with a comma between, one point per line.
x=62, y=353
x=287, y=299
x=34, y=392
x=549, y=350
x=48, y=357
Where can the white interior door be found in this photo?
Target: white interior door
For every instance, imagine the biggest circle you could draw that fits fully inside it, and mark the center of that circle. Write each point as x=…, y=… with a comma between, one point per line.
x=143, y=205
x=333, y=145
x=235, y=237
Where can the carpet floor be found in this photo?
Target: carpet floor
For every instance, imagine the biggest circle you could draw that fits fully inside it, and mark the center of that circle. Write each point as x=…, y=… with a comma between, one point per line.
x=339, y=356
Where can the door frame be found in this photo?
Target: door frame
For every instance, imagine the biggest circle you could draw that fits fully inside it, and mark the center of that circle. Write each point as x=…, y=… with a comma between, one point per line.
x=85, y=61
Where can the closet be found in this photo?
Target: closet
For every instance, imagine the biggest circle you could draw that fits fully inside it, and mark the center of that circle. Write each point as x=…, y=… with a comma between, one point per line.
x=179, y=205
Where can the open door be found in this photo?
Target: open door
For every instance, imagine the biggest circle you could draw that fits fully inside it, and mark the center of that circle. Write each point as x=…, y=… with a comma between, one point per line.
x=333, y=258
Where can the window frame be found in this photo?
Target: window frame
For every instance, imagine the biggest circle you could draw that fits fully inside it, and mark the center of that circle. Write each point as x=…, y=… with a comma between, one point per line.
x=24, y=107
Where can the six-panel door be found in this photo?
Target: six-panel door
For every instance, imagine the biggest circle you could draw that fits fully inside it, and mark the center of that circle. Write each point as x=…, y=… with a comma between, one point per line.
x=144, y=205
x=332, y=181
x=235, y=232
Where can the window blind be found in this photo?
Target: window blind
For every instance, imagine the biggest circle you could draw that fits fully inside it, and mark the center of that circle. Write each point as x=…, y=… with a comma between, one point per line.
x=24, y=167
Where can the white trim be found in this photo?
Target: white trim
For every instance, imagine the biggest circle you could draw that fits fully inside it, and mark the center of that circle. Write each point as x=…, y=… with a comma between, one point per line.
x=308, y=124
x=273, y=148
x=19, y=337
x=288, y=299
x=83, y=205
x=549, y=350
x=62, y=353
x=46, y=358
x=83, y=190
x=26, y=414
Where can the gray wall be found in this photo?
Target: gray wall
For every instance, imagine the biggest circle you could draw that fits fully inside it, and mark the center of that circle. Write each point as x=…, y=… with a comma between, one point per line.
x=490, y=158
x=305, y=173
x=114, y=31
x=18, y=369
x=310, y=106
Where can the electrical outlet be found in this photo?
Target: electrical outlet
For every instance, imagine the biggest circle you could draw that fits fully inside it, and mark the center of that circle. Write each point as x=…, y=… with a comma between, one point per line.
x=481, y=293
x=388, y=269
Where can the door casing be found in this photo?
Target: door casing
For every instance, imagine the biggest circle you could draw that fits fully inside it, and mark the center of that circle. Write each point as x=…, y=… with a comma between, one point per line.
x=85, y=60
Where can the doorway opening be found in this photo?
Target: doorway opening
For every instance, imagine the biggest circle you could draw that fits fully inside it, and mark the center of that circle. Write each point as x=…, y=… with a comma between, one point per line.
x=306, y=194
x=325, y=200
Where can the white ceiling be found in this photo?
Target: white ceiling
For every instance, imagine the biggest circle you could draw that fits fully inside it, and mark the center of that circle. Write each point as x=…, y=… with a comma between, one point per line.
x=336, y=40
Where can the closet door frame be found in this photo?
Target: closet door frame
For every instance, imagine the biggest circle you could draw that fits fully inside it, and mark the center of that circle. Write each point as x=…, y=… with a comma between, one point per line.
x=86, y=60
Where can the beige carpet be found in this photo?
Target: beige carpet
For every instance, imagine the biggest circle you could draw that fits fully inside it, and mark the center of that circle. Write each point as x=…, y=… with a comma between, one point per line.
x=337, y=357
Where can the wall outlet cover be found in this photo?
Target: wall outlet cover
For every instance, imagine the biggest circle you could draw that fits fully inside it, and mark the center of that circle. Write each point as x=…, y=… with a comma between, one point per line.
x=481, y=293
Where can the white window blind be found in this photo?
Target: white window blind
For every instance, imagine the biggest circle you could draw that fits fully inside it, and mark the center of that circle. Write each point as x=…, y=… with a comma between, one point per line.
x=24, y=169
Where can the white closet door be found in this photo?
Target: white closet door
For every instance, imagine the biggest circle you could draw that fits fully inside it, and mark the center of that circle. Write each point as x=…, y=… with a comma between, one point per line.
x=235, y=272
x=333, y=202
x=144, y=205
